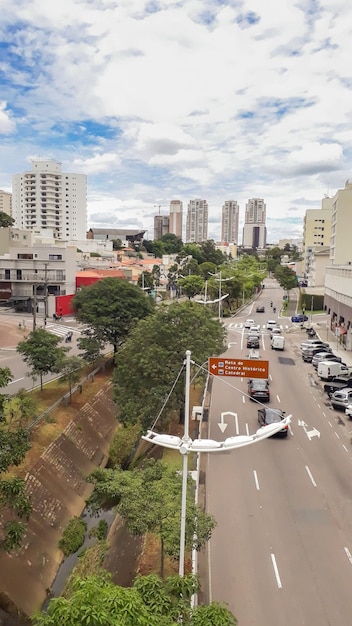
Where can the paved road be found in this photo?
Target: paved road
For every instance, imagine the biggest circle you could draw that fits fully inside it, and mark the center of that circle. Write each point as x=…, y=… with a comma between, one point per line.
x=281, y=553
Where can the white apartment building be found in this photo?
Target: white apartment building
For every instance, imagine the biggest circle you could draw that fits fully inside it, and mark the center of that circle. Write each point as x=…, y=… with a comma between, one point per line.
x=47, y=198
x=5, y=202
x=197, y=221
x=341, y=225
x=229, y=222
x=34, y=268
x=316, y=231
x=254, y=229
x=175, y=218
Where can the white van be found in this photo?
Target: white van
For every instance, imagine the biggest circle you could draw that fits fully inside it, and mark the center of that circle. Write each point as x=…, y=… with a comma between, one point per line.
x=329, y=369
x=277, y=342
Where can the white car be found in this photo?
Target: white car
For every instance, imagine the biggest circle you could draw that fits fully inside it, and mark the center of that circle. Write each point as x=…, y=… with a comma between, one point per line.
x=271, y=324
x=348, y=410
x=254, y=330
x=249, y=323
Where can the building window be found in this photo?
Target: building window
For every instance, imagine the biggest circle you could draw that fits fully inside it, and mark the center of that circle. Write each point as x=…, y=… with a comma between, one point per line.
x=7, y=274
x=55, y=257
x=19, y=274
x=25, y=256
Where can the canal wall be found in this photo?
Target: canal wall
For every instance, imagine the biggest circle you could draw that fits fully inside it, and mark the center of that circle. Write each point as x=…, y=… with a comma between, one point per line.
x=58, y=490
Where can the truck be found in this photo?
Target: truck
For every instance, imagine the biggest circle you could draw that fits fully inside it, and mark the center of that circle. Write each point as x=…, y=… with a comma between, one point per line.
x=337, y=383
x=327, y=370
x=277, y=342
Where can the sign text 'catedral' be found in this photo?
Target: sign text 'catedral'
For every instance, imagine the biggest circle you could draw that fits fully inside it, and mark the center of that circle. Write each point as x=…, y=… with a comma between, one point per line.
x=246, y=368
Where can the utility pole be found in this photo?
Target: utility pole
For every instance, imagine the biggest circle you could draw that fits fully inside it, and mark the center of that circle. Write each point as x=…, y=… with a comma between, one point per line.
x=45, y=293
x=34, y=306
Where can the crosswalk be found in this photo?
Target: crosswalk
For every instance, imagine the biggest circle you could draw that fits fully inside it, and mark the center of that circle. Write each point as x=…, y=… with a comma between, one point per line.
x=61, y=331
x=240, y=326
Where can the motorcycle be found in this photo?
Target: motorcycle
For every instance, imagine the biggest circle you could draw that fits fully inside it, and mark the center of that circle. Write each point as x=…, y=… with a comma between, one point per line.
x=311, y=332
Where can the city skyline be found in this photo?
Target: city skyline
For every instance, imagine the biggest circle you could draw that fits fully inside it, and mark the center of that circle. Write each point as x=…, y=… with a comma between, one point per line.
x=155, y=101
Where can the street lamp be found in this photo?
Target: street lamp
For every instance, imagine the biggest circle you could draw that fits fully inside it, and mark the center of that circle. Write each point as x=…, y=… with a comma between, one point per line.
x=185, y=445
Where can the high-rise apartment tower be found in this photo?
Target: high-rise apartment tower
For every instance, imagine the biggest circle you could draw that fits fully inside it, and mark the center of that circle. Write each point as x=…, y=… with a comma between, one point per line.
x=6, y=202
x=229, y=222
x=197, y=221
x=47, y=198
x=175, y=218
x=254, y=229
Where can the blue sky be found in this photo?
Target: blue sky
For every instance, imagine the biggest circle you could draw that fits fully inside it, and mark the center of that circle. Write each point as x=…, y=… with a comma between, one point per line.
x=177, y=99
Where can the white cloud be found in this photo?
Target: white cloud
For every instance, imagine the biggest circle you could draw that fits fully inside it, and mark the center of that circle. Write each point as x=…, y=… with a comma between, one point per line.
x=7, y=125
x=181, y=99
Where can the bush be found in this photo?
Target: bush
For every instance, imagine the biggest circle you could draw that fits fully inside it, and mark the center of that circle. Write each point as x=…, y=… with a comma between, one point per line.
x=73, y=536
x=100, y=531
x=123, y=445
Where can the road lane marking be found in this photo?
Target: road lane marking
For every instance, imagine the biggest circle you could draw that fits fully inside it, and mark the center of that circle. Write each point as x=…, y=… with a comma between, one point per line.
x=17, y=380
x=278, y=399
x=337, y=435
x=256, y=480
x=276, y=571
x=243, y=399
x=310, y=476
x=343, y=445
x=324, y=414
x=290, y=429
x=236, y=423
x=247, y=430
x=348, y=554
x=270, y=376
x=330, y=424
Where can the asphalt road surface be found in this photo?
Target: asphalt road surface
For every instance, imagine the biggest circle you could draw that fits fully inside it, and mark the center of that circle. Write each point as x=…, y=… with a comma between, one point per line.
x=281, y=553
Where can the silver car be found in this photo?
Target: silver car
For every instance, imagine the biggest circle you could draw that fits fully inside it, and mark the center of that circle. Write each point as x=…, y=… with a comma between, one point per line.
x=341, y=399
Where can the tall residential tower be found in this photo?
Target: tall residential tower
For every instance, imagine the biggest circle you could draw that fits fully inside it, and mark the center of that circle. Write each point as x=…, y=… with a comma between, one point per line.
x=254, y=229
x=47, y=198
x=175, y=218
x=197, y=221
x=229, y=222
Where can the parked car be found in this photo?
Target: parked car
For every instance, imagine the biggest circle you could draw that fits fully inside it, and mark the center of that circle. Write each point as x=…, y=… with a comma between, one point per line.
x=271, y=416
x=337, y=383
x=308, y=353
x=249, y=323
x=325, y=356
x=327, y=370
x=315, y=343
x=252, y=341
x=271, y=324
x=260, y=309
x=299, y=318
x=348, y=410
x=341, y=399
x=258, y=389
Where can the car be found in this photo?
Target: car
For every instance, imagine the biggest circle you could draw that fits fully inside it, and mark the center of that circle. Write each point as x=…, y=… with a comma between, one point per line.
x=252, y=341
x=299, y=318
x=308, y=353
x=348, y=410
x=271, y=324
x=258, y=389
x=271, y=416
x=260, y=309
x=341, y=399
x=275, y=331
x=315, y=343
x=254, y=330
x=249, y=323
x=324, y=356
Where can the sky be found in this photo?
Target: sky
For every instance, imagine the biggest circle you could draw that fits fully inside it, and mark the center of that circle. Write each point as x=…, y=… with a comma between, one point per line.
x=181, y=99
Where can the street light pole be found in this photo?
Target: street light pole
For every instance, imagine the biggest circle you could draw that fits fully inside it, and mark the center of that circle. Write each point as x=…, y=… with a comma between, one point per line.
x=181, y=567
x=219, y=296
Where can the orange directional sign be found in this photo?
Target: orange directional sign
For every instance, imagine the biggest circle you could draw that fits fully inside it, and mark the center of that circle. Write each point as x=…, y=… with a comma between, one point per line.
x=246, y=368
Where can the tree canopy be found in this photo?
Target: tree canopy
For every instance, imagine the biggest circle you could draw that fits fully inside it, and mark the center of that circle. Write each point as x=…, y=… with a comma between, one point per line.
x=149, y=499
x=6, y=220
x=96, y=601
x=111, y=307
x=155, y=351
x=42, y=353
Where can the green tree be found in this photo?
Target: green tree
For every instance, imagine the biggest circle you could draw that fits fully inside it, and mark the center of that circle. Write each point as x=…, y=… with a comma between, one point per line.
x=19, y=410
x=191, y=285
x=172, y=244
x=90, y=346
x=42, y=353
x=146, y=281
x=149, y=499
x=70, y=369
x=5, y=378
x=96, y=601
x=111, y=307
x=6, y=220
x=286, y=278
x=155, y=351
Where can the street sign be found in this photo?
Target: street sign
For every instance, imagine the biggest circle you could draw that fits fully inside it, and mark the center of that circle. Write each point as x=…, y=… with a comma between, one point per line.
x=244, y=368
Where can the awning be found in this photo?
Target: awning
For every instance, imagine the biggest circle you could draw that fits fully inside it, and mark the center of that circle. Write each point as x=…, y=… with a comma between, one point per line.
x=18, y=298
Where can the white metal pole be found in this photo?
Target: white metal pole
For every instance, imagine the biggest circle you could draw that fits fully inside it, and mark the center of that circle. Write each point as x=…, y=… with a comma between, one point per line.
x=181, y=569
x=220, y=297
